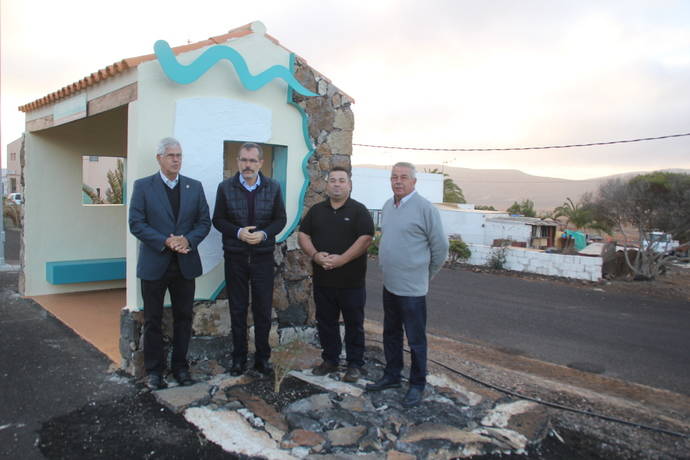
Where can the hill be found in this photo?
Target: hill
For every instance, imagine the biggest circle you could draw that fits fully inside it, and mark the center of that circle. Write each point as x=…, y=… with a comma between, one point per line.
x=502, y=187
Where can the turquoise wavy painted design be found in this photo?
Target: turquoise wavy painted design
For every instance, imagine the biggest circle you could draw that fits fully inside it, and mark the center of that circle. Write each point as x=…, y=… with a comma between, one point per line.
x=305, y=173
x=185, y=74
x=305, y=160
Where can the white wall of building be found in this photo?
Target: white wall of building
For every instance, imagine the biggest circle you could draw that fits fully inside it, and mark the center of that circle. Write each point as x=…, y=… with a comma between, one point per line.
x=470, y=224
x=372, y=187
x=506, y=231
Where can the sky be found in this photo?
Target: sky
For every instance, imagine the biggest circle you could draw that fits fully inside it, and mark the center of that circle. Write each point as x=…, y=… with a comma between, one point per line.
x=433, y=74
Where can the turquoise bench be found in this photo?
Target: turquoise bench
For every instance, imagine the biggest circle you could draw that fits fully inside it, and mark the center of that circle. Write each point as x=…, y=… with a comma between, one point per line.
x=85, y=271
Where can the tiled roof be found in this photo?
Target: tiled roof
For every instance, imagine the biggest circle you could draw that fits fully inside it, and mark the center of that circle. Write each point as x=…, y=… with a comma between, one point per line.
x=130, y=63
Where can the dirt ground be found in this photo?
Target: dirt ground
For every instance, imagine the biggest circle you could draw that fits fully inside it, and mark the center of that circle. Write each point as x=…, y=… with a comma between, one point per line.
x=675, y=284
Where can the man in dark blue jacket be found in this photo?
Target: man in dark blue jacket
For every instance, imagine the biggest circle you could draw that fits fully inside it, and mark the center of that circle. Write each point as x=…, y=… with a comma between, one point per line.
x=249, y=213
x=169, y=216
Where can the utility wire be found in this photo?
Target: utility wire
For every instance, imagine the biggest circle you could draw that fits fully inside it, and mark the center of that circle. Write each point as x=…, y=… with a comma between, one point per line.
x=547, y=403
x=431, y=149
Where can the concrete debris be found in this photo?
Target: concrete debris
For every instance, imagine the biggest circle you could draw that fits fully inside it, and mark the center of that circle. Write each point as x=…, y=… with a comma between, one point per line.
x=179, y=398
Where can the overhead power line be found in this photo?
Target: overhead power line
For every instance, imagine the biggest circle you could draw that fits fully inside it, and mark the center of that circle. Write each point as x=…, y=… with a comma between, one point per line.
x=542, y=147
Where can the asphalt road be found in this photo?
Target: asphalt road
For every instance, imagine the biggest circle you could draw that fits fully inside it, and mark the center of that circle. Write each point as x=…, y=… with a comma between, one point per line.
x=58, y=399
x=638, y=339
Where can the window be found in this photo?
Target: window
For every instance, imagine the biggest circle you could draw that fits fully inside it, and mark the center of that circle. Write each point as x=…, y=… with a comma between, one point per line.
x=103, y=180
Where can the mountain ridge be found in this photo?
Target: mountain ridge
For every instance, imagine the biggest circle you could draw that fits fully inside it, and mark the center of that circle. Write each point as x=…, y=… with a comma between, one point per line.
x=502, y=187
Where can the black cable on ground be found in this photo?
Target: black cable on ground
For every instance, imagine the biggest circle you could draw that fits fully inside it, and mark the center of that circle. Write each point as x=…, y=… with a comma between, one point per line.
x=550, y=404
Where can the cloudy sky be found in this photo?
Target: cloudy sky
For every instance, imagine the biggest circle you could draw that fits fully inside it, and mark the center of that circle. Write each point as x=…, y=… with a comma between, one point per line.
x=440, y=73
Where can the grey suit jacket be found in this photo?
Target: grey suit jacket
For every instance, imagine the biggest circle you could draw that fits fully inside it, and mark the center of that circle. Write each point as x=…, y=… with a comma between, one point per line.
x=151, y=220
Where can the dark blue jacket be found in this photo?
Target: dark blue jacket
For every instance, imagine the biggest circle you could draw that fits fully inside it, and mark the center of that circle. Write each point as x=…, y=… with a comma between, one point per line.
x=151, y=220
x=231, y=213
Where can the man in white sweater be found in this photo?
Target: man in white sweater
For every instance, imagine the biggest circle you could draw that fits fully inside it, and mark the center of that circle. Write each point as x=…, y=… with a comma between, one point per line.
x=412, y=249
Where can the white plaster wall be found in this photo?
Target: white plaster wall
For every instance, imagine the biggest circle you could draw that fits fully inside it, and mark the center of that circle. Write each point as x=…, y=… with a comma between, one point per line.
x=469, y=224
x=504, y=230
x=57, y=226
x=531, y=261
x=154, y=116
x=372, y=187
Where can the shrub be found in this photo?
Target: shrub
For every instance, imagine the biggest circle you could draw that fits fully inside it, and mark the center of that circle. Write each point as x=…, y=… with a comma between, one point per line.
x=497, y=260
x=374, y=247
x=457, y=251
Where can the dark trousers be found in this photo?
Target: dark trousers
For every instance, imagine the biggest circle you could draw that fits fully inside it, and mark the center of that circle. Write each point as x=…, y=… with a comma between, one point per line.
x=182, y=298
x=410, y=313
x=330, y=303
x=241, y=272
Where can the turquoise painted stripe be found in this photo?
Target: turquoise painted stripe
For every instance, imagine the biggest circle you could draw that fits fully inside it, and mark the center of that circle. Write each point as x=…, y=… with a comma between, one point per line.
x=305, y=169
x=85, y=271
x=185, y=74
x=305, y=162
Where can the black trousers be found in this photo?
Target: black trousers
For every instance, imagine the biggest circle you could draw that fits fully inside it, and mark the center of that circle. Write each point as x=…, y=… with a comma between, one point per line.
x=242, y=272
x=330, y=303
x=182, y=298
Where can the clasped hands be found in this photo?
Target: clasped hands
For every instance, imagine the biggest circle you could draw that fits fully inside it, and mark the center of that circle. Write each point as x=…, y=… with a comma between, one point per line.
x=249, y=236
x=178, y=244
x=328, y=261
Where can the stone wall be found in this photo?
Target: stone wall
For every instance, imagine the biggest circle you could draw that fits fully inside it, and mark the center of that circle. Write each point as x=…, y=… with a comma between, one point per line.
x=331, y=123
x=526, y=260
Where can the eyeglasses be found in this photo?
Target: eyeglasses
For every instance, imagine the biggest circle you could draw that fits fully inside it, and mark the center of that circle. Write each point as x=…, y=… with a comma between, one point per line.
x=173, y=155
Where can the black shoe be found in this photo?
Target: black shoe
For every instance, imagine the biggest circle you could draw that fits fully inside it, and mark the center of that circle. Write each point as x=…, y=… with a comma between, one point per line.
x=183, y=377
x=383, y=383
x=263, y=366
x=413, y=397
x=326, y=367
x=155, y=381
x=353, y=374
x=238, y=368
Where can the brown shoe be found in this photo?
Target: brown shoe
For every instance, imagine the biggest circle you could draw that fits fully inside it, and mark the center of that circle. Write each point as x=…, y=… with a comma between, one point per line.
x=326, y=367
x=353, y=374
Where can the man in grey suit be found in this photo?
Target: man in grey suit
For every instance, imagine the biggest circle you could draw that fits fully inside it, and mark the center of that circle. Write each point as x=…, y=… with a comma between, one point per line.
x=168, y=214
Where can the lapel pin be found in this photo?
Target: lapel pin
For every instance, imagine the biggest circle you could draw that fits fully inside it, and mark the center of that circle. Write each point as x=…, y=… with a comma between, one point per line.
x=187, y=186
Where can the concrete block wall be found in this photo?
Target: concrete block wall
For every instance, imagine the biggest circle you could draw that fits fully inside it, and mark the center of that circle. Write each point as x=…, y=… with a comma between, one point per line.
x=525, y=260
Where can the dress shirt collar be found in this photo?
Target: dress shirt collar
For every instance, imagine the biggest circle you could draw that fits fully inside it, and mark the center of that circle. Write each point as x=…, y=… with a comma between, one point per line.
x=168, y=182
x=404, y=199
x=251, y=188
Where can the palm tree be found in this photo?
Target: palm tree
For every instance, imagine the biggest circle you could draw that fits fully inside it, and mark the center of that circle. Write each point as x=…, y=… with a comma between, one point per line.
x=115, y=184
x=579, y=214
x=451, y=192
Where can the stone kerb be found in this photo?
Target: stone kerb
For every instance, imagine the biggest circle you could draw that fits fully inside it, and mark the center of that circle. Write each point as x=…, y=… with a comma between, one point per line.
x=542, y=263
x=330, y=127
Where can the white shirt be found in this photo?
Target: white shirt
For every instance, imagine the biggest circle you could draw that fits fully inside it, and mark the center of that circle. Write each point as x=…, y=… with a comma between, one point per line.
x=251, y=188
x=404, y=199
x=168, y=182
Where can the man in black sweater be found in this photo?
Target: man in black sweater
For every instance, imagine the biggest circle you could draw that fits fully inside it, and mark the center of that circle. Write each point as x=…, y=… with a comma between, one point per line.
x=249, y=213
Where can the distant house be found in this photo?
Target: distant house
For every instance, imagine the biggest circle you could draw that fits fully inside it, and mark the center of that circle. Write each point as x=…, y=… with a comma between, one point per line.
x=13, y=173
x=372, y=187
x=487, y=227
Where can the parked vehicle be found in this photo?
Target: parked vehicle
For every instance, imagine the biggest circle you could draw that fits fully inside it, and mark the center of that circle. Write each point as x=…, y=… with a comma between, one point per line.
x=16, y=198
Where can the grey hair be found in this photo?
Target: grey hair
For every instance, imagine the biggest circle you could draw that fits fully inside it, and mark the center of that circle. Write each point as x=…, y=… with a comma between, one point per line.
x=165, y=143
x=251, y=145
x=410, y=166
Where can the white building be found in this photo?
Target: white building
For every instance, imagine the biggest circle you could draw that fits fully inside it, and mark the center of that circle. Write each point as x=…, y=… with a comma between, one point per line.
x=372, y=187
x=485, y=227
